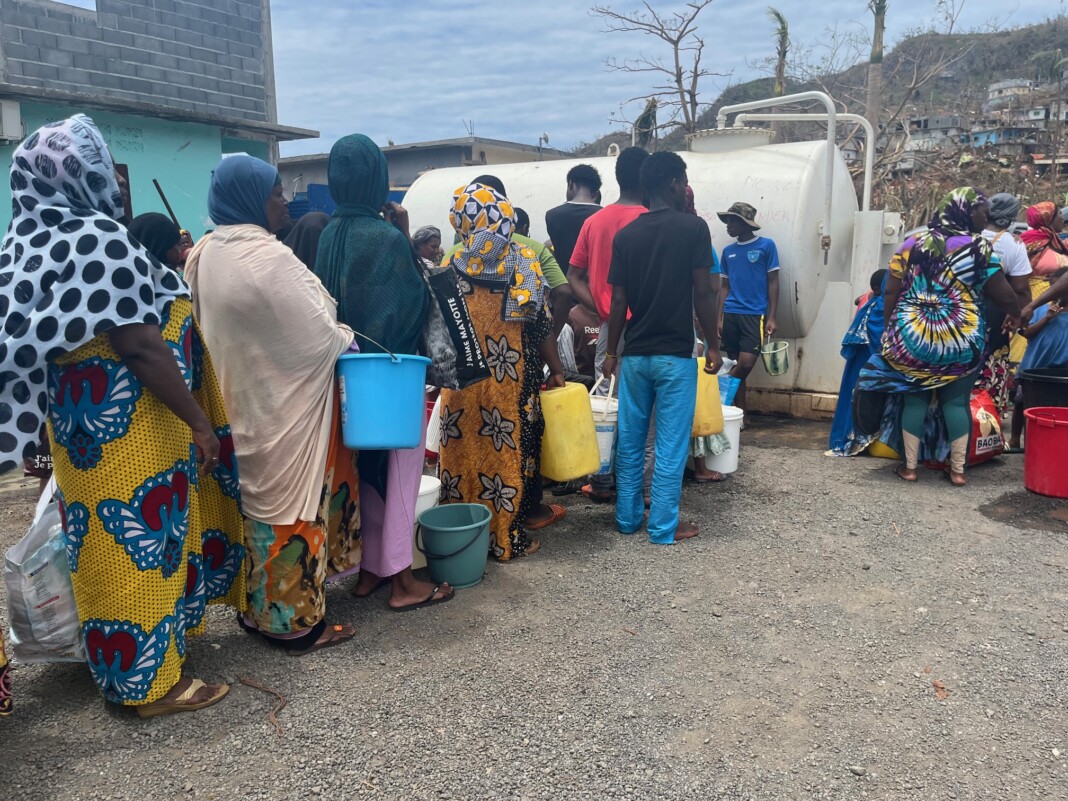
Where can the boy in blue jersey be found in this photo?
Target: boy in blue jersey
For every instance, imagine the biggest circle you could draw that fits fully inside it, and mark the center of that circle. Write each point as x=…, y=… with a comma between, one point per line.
x=750, y=292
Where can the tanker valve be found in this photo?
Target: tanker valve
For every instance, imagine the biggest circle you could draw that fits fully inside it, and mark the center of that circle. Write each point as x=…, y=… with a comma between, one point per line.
x=825, y=243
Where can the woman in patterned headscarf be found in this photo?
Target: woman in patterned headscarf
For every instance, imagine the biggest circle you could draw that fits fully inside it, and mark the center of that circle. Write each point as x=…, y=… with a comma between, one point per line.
x=1045, y=248
x=491, y=432
x=101, y=337
x=935, y=333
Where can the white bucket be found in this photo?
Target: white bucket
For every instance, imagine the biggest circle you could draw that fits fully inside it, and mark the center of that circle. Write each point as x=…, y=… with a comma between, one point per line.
x=605, y=424
x=727, y=463
x=433, y=428
x=429, y=491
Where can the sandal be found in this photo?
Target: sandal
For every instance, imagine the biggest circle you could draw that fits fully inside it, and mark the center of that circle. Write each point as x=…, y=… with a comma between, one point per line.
x=339, y=633
x=897, y=472
x=715, y=476
x=183, y=703
x=430, y=601
x=956, y=479
x=558, y=514
x=597, y=497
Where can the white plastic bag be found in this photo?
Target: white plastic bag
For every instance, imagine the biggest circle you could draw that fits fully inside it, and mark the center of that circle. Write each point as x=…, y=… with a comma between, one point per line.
x=40, y=597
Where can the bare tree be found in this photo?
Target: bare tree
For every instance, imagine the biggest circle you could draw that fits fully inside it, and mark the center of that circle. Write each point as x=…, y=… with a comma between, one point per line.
x=679, y=77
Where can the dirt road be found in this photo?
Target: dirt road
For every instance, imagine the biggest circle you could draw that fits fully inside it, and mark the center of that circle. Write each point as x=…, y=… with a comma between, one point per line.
x=833, y=634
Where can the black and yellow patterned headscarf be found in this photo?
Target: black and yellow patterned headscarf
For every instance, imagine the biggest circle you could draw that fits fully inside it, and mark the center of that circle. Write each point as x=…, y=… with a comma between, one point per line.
x=485, y=221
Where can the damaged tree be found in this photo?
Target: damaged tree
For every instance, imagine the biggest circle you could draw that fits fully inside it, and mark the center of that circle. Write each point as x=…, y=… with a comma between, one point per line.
x=679, y=77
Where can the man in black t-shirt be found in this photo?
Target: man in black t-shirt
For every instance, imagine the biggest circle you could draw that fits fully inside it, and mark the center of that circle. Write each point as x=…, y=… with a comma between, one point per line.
x=565, y=222
x=660, y=271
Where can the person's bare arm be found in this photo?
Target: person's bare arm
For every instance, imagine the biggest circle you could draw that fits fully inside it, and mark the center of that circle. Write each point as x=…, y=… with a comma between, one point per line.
x=724, y=290
x=1021, y=285
x=891, y=295
x=1058, y=291
x=562, y=299
x=579, y=281
x=617, y=318
x=772, y=325
x=147, y=356
x=1031, y=331
x=551, y=356
x=998, y=290
x=706, y=303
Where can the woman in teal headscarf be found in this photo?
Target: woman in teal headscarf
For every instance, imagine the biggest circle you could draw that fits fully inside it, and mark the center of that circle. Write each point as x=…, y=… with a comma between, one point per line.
x=369, y=266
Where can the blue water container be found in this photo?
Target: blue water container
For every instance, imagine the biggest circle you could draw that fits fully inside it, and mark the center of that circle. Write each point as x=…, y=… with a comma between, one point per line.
x=382, y=400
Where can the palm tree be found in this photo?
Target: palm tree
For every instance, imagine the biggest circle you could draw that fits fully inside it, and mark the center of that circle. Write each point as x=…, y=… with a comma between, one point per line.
x=875, y=62
x=782, y=46
x=1056, y=63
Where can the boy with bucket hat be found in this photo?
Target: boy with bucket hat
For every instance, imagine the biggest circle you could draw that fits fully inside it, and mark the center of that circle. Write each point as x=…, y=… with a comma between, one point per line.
x=750, y=292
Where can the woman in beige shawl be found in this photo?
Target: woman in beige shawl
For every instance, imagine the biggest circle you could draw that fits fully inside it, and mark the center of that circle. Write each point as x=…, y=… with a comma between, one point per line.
x=274, y=335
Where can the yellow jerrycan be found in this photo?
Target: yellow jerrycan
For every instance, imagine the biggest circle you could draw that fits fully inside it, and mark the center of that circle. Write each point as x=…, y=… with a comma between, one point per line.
x=708, y=413
x=569, y=445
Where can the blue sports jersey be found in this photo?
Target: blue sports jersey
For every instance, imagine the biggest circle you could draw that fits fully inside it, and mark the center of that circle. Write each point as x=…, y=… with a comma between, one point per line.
x=746, y=266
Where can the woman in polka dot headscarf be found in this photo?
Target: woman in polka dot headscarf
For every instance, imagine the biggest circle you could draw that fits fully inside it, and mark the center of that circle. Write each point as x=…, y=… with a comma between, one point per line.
x=100, y=336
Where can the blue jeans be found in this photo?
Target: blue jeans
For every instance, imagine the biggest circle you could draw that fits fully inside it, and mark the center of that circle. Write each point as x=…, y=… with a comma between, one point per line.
x=667, y=384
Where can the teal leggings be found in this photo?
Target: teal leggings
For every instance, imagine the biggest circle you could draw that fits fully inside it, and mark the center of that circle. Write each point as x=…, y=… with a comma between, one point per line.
x=952, y=399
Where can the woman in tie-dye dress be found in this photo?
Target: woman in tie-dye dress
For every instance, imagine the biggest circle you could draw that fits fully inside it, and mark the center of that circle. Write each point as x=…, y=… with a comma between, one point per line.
x=935, y=334
x=100, y=339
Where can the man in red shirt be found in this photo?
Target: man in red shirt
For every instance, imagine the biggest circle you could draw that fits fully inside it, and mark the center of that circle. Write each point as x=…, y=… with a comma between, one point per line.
x=590, y=263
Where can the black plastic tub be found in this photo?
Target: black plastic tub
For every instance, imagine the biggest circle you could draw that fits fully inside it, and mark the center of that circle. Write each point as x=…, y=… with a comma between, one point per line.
x=1045, y=386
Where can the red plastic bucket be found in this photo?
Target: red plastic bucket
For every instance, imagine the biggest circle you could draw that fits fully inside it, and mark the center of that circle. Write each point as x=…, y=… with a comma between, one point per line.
x=1047, y=443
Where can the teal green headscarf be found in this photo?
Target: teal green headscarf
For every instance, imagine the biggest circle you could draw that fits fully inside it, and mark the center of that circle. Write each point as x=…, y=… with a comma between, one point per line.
x=363, y=261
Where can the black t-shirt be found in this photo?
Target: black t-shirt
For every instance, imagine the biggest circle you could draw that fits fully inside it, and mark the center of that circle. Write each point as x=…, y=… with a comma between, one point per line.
x=654, y=259
x=564, y=224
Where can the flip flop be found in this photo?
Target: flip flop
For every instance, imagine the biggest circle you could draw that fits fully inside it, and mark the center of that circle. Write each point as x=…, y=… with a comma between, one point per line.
x=1013, y=450
x=334, y=630
x=558, y=514
x=596, y=497
x=430, y=601
x=155, y=709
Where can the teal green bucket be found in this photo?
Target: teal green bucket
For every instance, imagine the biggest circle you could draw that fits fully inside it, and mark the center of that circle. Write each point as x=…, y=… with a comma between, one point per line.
x=455, y=541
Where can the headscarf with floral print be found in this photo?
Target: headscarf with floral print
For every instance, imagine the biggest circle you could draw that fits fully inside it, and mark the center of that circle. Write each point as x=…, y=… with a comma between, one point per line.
x=1041, y=235
x=485, y=221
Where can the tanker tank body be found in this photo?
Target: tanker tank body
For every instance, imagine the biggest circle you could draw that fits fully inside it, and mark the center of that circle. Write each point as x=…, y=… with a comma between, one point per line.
x=786, y=183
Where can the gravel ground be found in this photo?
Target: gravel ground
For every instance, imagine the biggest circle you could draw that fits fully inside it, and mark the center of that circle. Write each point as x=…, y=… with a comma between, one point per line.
x=791, y=652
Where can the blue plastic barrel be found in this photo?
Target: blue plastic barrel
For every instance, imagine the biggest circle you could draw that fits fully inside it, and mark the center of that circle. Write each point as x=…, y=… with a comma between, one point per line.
x=382, y=400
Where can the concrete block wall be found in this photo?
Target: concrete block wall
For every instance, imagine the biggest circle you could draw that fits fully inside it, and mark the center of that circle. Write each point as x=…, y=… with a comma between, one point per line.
x=211, y=56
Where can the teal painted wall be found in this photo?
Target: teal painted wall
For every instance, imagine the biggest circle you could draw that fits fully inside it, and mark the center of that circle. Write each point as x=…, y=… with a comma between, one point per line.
x=179, y=155
x=253, y=147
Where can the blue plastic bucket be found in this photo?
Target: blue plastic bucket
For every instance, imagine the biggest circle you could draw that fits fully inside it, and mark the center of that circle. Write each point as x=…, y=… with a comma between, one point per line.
x=382, y=400
x=455, y=541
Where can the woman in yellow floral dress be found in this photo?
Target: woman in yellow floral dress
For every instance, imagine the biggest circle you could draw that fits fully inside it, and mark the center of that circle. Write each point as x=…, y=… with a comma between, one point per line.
x=100, y=336
x=491, y=432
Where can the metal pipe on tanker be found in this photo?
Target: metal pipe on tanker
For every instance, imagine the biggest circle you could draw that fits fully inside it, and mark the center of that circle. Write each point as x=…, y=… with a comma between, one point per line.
x=869, y=147
x=832, y=113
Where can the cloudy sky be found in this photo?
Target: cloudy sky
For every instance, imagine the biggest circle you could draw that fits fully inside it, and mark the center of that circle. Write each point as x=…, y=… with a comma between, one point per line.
x=416, y=70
